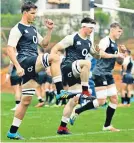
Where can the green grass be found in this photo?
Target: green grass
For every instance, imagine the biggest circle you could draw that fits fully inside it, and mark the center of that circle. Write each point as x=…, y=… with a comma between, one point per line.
x=40, y=125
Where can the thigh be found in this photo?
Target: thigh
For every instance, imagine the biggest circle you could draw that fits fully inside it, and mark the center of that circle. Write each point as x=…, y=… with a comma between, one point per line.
x=130, y=87
x=28, y=89
x=124, y=86
x=41, y=62
x=30, y=84
x=78, y=65
x=17, y=88
x=113, y=99
x=111, y=90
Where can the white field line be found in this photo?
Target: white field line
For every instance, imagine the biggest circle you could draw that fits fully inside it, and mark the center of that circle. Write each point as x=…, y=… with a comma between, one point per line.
x=78, y=134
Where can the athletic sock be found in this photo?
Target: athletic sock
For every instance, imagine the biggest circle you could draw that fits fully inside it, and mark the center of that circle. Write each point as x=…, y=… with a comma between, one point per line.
x=63, y=124
x=122, y=100
x=15, y=125
x=58, y=83
x=47, y=96
x=40, y=100
x=13, y=129
x=126, y=97
x=88, y=106
x=59, y=87
x=85, y=88
x=51, y=97
x=128, y=100
x=17, y=102
x=109, y=114
x=64, y=121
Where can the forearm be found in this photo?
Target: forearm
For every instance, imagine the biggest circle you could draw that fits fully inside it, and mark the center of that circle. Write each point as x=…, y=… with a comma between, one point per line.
x=12, y=55
x=56, y=48
x=47, y=38
x=10, y=68
x=107, y=56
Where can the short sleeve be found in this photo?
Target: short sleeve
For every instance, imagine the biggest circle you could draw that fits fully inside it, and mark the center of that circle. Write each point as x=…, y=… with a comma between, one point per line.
x=14, y=36
x=104, y=43
x=67, y=41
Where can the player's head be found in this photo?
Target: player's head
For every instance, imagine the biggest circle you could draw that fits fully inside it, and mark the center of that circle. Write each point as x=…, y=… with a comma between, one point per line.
x=116, y=30
x=127, y=52
x=88, y=25
x=28, y=10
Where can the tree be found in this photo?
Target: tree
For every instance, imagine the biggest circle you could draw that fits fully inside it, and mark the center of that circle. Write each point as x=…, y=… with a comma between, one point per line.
x=34, y=1
x=10, y=6
x=126, y=18
x=103, y=19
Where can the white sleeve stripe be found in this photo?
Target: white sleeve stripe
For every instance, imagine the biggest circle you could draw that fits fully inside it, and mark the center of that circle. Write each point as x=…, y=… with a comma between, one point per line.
x=39, y=37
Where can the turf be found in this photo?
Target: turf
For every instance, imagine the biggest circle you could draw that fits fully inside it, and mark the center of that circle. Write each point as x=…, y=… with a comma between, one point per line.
x=40, y=124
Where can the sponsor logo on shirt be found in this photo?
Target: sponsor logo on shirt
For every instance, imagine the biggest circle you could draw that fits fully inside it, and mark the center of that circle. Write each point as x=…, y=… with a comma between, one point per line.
x=78, y=43
x=26, y=31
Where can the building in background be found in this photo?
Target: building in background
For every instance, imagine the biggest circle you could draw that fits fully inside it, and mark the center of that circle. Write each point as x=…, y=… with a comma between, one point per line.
x=68, y=6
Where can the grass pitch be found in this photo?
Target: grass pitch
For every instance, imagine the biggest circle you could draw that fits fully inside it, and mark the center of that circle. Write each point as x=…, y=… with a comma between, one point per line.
x=40, y=124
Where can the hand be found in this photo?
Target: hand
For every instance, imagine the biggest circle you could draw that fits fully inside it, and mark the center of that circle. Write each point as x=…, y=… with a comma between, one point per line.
x=97, y=48
x=20, y=71
x=120, y=58
x=49, y=24
x=120, y=55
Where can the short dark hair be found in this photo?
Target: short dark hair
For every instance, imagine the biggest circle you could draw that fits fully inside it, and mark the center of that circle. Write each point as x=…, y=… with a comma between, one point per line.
x=27, y=6
x=115, y=24
x=88, y=20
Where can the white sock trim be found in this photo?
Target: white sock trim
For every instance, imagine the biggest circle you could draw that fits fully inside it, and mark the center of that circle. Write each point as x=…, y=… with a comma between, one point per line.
x=39, y=97
x=95, y=103
x=112, y=105
x=16, y=122
x=84, y=83
x=65, y=119
x=57, y=79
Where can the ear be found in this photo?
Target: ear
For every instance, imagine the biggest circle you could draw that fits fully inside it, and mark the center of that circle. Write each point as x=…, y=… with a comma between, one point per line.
x=24, y=12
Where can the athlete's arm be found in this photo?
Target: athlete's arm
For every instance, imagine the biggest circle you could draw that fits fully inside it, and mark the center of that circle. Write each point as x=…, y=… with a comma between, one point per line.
x=63, y=44
x=103, y=45
x=14, y=37
x=95, y=52
x=43, y=42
